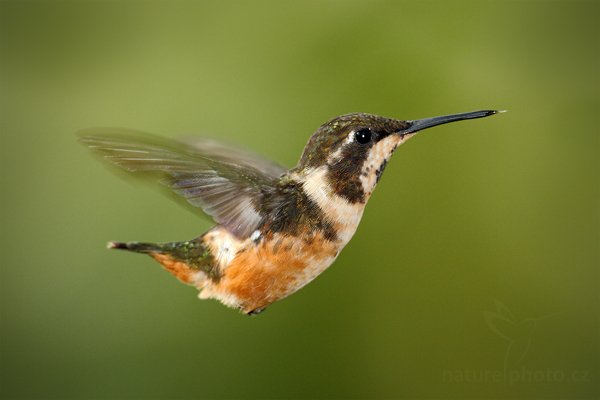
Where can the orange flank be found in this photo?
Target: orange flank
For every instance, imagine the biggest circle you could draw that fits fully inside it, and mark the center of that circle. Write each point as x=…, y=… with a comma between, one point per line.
x=277, y=267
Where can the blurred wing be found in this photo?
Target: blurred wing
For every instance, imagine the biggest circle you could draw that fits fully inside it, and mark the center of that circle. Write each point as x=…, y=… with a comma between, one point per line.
x=229, y=191
x=230, y=153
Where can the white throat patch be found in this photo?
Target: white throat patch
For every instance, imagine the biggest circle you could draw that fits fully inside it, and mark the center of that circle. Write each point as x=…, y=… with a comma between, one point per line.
x=344, y=215
x=373, y=166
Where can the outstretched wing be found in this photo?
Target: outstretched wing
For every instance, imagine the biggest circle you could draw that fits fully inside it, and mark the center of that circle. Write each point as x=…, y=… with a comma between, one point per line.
x=226, y=152
x=228, y=185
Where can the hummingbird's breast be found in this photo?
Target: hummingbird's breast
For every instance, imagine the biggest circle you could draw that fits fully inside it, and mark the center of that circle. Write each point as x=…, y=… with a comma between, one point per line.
x=264, y=268
x=279, y=259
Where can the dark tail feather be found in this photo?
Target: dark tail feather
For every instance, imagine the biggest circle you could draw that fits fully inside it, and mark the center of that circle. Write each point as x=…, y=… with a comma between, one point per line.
x=192, y=253
x=137, y=247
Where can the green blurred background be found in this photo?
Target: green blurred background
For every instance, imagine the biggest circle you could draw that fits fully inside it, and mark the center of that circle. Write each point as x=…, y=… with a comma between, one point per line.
x=473, y=274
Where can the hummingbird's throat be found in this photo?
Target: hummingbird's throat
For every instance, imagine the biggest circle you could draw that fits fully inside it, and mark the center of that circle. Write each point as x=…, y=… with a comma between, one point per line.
x=376, y=161
x=341, y=213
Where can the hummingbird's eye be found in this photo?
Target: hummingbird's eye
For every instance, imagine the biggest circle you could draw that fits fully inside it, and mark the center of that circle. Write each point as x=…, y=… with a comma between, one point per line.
x=363, y=136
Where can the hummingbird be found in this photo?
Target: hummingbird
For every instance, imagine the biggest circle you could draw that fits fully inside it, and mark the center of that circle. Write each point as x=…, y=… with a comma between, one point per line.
x=276, y=229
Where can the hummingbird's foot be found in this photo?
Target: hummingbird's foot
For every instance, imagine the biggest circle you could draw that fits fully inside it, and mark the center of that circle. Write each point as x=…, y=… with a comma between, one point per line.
x=256, y=311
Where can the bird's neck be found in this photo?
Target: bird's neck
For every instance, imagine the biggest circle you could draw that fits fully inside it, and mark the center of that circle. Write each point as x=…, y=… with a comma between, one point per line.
x=342, y=214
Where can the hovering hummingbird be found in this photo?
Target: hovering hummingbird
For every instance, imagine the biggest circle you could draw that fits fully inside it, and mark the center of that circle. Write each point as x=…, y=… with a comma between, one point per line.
x=276, y=229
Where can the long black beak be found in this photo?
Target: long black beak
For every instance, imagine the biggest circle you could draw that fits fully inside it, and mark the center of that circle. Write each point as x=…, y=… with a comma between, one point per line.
x=420, y=124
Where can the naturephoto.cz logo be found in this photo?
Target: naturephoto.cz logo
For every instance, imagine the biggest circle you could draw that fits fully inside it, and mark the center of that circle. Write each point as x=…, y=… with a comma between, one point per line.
x=517, y=333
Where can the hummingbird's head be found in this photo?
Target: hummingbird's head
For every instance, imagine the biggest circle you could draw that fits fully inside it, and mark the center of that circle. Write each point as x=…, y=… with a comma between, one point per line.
x=351, y=150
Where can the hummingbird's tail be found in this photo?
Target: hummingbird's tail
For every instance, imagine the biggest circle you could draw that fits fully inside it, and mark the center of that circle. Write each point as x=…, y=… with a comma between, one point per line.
x=182, y=259
x=137, y=247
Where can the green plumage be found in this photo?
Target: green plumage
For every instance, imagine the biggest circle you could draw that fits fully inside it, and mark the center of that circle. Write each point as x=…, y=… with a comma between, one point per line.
x=192, y=252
